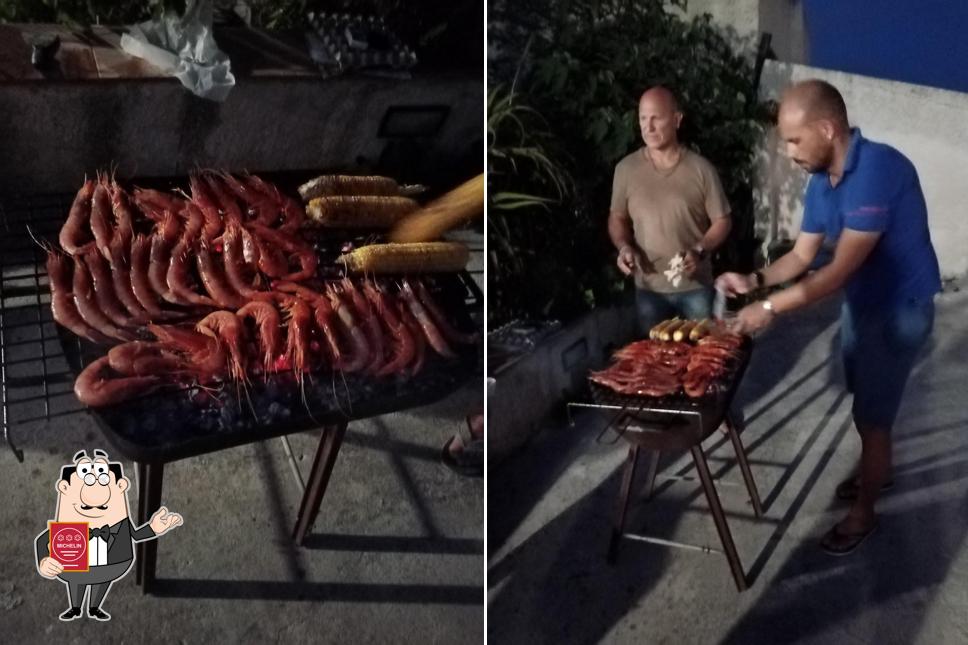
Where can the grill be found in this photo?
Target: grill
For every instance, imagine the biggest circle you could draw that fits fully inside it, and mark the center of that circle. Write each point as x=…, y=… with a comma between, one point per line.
x=39, y=362
x=676, y=422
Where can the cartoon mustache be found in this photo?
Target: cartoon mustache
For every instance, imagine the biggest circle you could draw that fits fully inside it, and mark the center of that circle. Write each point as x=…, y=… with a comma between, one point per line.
x=85, y=507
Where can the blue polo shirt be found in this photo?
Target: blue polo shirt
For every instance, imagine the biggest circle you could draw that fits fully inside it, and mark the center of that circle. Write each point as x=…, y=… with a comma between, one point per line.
x=879, y=191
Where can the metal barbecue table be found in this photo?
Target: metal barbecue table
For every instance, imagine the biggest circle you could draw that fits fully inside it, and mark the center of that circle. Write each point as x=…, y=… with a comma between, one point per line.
x=675, y=423
x=39, y=362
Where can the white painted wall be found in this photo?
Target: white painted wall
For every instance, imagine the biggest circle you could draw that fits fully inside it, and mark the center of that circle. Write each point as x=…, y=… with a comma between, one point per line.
x=745, y=20
x=928, y=125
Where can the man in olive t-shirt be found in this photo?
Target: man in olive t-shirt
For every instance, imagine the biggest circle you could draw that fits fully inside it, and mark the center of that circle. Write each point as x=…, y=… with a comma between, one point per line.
x=668, y=209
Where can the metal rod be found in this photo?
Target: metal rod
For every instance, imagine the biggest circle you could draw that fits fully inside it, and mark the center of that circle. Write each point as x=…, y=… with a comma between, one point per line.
x=293, y=464
x=3, y=378
x=679, y=545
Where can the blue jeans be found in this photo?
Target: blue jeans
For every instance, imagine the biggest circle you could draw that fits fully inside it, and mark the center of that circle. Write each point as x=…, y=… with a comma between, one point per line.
x=880, y=349
x=653, y=307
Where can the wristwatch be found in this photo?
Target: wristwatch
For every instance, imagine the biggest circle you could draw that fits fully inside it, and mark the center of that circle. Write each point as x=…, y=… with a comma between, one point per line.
x=769, y=306
x=699, y=251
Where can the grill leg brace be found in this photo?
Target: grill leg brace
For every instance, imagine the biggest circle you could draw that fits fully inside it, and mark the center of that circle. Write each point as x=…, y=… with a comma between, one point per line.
x=150, y=477
x=326, y=452
x=744, y=466
x=623, y=503
x=719, y=517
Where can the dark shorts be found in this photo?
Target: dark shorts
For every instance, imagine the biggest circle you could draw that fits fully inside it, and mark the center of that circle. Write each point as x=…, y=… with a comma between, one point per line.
x=653, y=307
x=880, y=350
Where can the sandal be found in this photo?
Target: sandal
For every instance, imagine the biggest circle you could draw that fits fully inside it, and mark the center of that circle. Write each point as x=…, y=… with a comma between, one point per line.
x=838, y=543
x=847, y=490
x=469, y=462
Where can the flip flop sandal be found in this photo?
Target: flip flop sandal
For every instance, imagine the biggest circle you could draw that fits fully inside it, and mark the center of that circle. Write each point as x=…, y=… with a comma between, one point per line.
x=848, y=489
x=837, y=543
x=470, y=461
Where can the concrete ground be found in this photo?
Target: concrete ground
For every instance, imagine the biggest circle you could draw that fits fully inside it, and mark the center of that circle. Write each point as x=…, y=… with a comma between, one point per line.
x=396, y=554
x=551, y=507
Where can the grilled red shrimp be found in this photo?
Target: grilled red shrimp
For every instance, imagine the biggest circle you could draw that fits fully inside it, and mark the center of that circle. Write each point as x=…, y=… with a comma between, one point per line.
x=143, y=358
x=430, y=330
x=302, y=252
x=166, y=235
x=225, y=327
x=75, y=235
x=258, y=205
x=84, y=298
x=223, y=199
x=272, y=261
x=299, y=333
x=268, y=200
x=267, y=320
x=139, y=276
x=203, y=199
x=361, y=348
x=181, y=289
x=101, y=218
x=107, y=300
x=213, y=278
x=440, y=319
x=371, y=324
x=123, y=280
x=62, y=300
x=206, y=356
x=96, y=386
x=323, y=314
x=404, y=347
x=293, y=215
x=155, y=203
x=123, y=216
x=235, y=266
x=420, y=343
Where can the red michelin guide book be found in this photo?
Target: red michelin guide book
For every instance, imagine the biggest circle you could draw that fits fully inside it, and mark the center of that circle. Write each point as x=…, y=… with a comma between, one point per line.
x=68, y=544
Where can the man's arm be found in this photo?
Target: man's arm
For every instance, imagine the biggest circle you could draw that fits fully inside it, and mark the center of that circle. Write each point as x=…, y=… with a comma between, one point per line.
x=717, y=233
x=852, y=250
x=620, y=232
x=788, y=267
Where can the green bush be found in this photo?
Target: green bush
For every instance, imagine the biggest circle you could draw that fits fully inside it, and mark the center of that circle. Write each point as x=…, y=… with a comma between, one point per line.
x=583, y=65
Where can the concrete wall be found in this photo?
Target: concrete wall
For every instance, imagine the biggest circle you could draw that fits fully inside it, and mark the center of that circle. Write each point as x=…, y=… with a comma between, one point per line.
x=926, y=124
x=747, y=19
x=54, y=132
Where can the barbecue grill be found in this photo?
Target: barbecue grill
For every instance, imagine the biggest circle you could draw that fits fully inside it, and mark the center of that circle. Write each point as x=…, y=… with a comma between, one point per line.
x=676, y=422
x=39, y=362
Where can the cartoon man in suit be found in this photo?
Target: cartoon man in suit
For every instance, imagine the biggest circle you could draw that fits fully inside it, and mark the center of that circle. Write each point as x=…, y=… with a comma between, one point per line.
x=95, y=491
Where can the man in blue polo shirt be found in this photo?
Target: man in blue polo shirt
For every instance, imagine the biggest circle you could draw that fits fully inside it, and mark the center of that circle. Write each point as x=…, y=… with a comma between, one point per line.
x=865, y=198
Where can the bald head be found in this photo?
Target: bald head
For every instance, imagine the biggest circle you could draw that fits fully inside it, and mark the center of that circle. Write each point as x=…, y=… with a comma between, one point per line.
x=813, y=100
x=659, y=118
x=661, y=97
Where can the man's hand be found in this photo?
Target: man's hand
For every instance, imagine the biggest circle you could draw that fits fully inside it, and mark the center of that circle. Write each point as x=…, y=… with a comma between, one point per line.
x=628, y=258
x=690, y=263
x=733, y=284
x=752, y=318
x=163, y=521
x=50, y=568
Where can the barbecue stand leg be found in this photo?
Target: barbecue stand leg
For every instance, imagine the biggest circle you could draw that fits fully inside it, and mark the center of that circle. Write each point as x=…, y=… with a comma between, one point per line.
x=719, y=517
x=150, y=477
x=623, y=503
x=326, y=452
x=744, y=466
x=650, y=473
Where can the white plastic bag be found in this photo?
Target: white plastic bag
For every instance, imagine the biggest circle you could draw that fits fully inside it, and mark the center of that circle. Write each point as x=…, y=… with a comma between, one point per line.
x=183, y=46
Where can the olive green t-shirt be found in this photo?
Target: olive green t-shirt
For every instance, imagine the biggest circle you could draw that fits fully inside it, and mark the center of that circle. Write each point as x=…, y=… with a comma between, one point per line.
x=671, y=210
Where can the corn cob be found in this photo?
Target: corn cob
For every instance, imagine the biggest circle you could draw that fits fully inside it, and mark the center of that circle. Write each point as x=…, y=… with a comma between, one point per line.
x=358, y=211
x=700, y=330
x=682, y=333
x=422, y=257
x=656, y=332
x=666, y=335
x=328, y=185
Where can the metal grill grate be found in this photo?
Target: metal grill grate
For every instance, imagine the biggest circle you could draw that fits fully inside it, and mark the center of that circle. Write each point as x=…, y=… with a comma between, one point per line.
x=37, y=374
x=36, y=379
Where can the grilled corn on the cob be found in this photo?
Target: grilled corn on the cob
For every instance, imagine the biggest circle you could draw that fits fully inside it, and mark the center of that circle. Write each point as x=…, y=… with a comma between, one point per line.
x=358, y=211
x=328, y=185
x=422, y=257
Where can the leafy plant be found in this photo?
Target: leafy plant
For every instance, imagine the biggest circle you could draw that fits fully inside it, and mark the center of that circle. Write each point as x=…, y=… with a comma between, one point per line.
x=583, y=65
